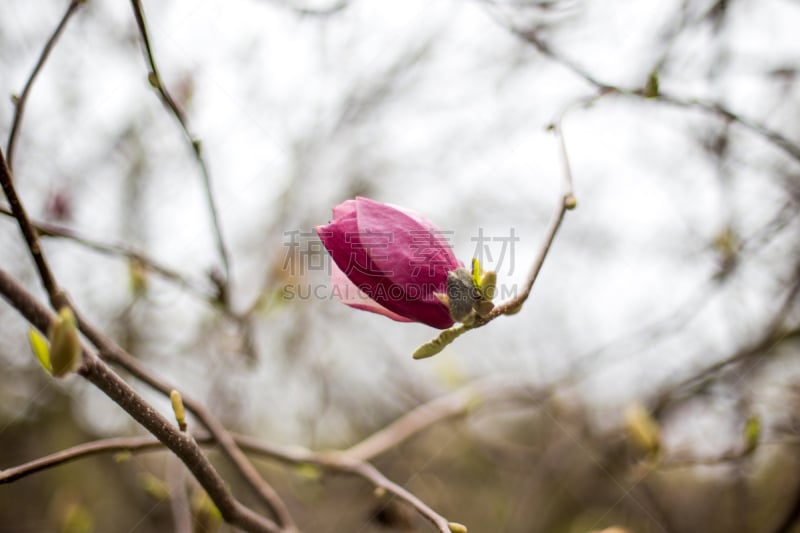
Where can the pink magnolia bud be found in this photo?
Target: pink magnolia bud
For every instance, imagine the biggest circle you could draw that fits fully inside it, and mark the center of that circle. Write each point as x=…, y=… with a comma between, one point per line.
x=396, y=257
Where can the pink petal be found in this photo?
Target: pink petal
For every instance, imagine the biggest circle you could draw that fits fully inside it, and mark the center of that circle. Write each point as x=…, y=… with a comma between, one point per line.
x=397, y=257
x=347, y=293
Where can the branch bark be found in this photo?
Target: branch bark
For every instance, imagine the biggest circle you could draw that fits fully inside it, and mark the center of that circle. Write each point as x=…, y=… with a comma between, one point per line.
x=181, y=444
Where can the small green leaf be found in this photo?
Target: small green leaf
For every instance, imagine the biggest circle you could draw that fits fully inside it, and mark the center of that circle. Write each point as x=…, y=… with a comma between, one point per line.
x=476, y=272
x=455, y=527
x=40, y=349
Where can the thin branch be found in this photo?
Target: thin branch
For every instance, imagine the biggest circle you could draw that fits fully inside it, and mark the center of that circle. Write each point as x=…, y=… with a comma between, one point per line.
x=155, y=80
x=29, y=234
x=47, y=229
x=342, y=462
x=456, y=404
x=115, y=354
x=782, y=142
x=181, y=444
x=81, y=451
x=353, y=460
x=333, y=461
x=373, y=475
x=109, y=348
x=779, y=140
x=22, y=99
x=774, y=334
x=318, y=12
x=566, y=202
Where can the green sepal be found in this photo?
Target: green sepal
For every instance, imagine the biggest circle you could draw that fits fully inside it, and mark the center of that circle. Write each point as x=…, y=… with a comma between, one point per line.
x=488, y=285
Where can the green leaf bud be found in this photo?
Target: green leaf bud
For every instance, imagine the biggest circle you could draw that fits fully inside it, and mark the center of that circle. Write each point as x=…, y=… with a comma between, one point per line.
x=65, y=345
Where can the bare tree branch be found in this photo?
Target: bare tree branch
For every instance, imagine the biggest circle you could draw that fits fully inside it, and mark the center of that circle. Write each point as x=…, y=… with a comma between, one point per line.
x=353, y=461
x=181, y=444
x=47, y=229
x=110, y=349
x=531, y=36
x=22, y=99
x=774, y=333
x=29, y=234
x=565, y=202
x=334, y=461
x=112, y=352
x=320, y=12
x=155, y=80
x=458, y=403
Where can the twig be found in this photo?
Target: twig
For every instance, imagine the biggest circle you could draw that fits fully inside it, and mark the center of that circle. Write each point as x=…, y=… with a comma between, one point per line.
x=353, y=460
x=320, y=12
x=177, y=112
x=98, y=447
x=112, y=352
x=110, y=349
x=334, y=461
x=22, y=99
x=46, y=229
x=720, y=110
x=777, y=139
x=566, y=202
x=774, y=333
x=181, y=444
x=29, y=234
x=456, y=404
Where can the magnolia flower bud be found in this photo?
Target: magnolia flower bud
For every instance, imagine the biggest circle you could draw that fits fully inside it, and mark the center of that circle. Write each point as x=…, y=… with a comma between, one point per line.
x=396, y=257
